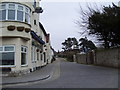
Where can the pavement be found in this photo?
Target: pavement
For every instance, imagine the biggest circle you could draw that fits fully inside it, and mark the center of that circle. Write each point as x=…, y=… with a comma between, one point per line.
x=38, y=75
x=63, y=74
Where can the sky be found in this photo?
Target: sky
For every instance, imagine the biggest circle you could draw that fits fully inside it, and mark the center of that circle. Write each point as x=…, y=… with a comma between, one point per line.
x=59, y=16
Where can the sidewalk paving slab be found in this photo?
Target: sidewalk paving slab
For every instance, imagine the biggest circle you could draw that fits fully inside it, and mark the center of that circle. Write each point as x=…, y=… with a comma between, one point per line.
x=41, y=74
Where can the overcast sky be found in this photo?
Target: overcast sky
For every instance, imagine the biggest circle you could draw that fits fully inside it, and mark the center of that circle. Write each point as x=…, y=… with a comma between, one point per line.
x=59, y=16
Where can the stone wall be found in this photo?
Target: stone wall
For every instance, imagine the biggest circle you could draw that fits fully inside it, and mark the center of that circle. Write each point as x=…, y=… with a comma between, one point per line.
x=15, y=73
x=109, y=57
x=81, y=58
x=18, y=73
x=104, y=57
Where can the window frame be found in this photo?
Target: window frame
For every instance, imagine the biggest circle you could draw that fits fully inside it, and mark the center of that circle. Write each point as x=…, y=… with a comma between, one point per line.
x=33, y=54
x=16, y=9
x=25, y=52
x=3, y=9
x=2, y=48
x=3, y=51
x=19, y=10
x=11, y=17
x=38, y=56
x=41, y=56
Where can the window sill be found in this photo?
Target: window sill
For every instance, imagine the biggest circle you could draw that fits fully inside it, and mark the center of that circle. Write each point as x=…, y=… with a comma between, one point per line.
x=6, y=66
x=34, y=61
x=24, y=65
x=14, y=21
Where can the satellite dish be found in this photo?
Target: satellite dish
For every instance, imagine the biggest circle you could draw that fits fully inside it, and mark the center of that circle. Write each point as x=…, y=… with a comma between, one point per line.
x=119, y=4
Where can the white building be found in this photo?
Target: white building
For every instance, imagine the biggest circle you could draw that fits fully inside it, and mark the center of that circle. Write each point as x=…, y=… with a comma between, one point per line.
x=23, y=42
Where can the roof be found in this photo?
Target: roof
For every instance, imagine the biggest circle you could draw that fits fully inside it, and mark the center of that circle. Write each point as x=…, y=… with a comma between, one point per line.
x=42, y=28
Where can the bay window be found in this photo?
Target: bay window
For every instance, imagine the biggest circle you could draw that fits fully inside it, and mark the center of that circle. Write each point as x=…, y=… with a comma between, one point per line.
x=14, y=12
x=7, y=55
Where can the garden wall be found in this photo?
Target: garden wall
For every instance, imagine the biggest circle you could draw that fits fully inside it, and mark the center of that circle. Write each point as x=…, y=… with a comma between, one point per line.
x=104, y=57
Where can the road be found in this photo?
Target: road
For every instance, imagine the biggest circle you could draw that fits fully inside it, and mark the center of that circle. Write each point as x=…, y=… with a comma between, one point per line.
x=72, y=75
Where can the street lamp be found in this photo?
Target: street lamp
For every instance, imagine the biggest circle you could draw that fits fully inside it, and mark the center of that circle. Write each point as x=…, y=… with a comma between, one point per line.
x=38, y=10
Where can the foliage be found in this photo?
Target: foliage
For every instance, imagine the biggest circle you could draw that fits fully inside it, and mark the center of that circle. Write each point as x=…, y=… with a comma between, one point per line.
x=71, y=47
x=105, y=24
x=70, y=43
x=87, y=45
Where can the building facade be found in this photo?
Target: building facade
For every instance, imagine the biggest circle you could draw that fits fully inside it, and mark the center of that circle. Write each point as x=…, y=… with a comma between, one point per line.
x=23, y=40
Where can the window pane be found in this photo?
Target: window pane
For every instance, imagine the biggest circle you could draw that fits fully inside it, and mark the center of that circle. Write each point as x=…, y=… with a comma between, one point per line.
x=41, y=57
x=34, y=55
x=11, y=6
x=25, y=49
x=44, y=56
x=20, y=7
x=1, y=48
x=37, y=56
x=7, y=58
x=20, y=15
x=11, y=14
x=26, y=10
x=22, y=49
x=23, y=58
x=2, y=6
x=2, y=14
x=9, y=48
x=26, y=17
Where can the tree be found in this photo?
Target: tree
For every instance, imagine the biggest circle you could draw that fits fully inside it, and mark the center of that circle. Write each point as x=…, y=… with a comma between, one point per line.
x=67, y=44
x=105, y=24
x=86, y=44
x=75, y=43
x=70, y=43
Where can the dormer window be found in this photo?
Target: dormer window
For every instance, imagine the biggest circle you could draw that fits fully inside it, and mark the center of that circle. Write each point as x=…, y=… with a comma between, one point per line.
x=14, y=12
